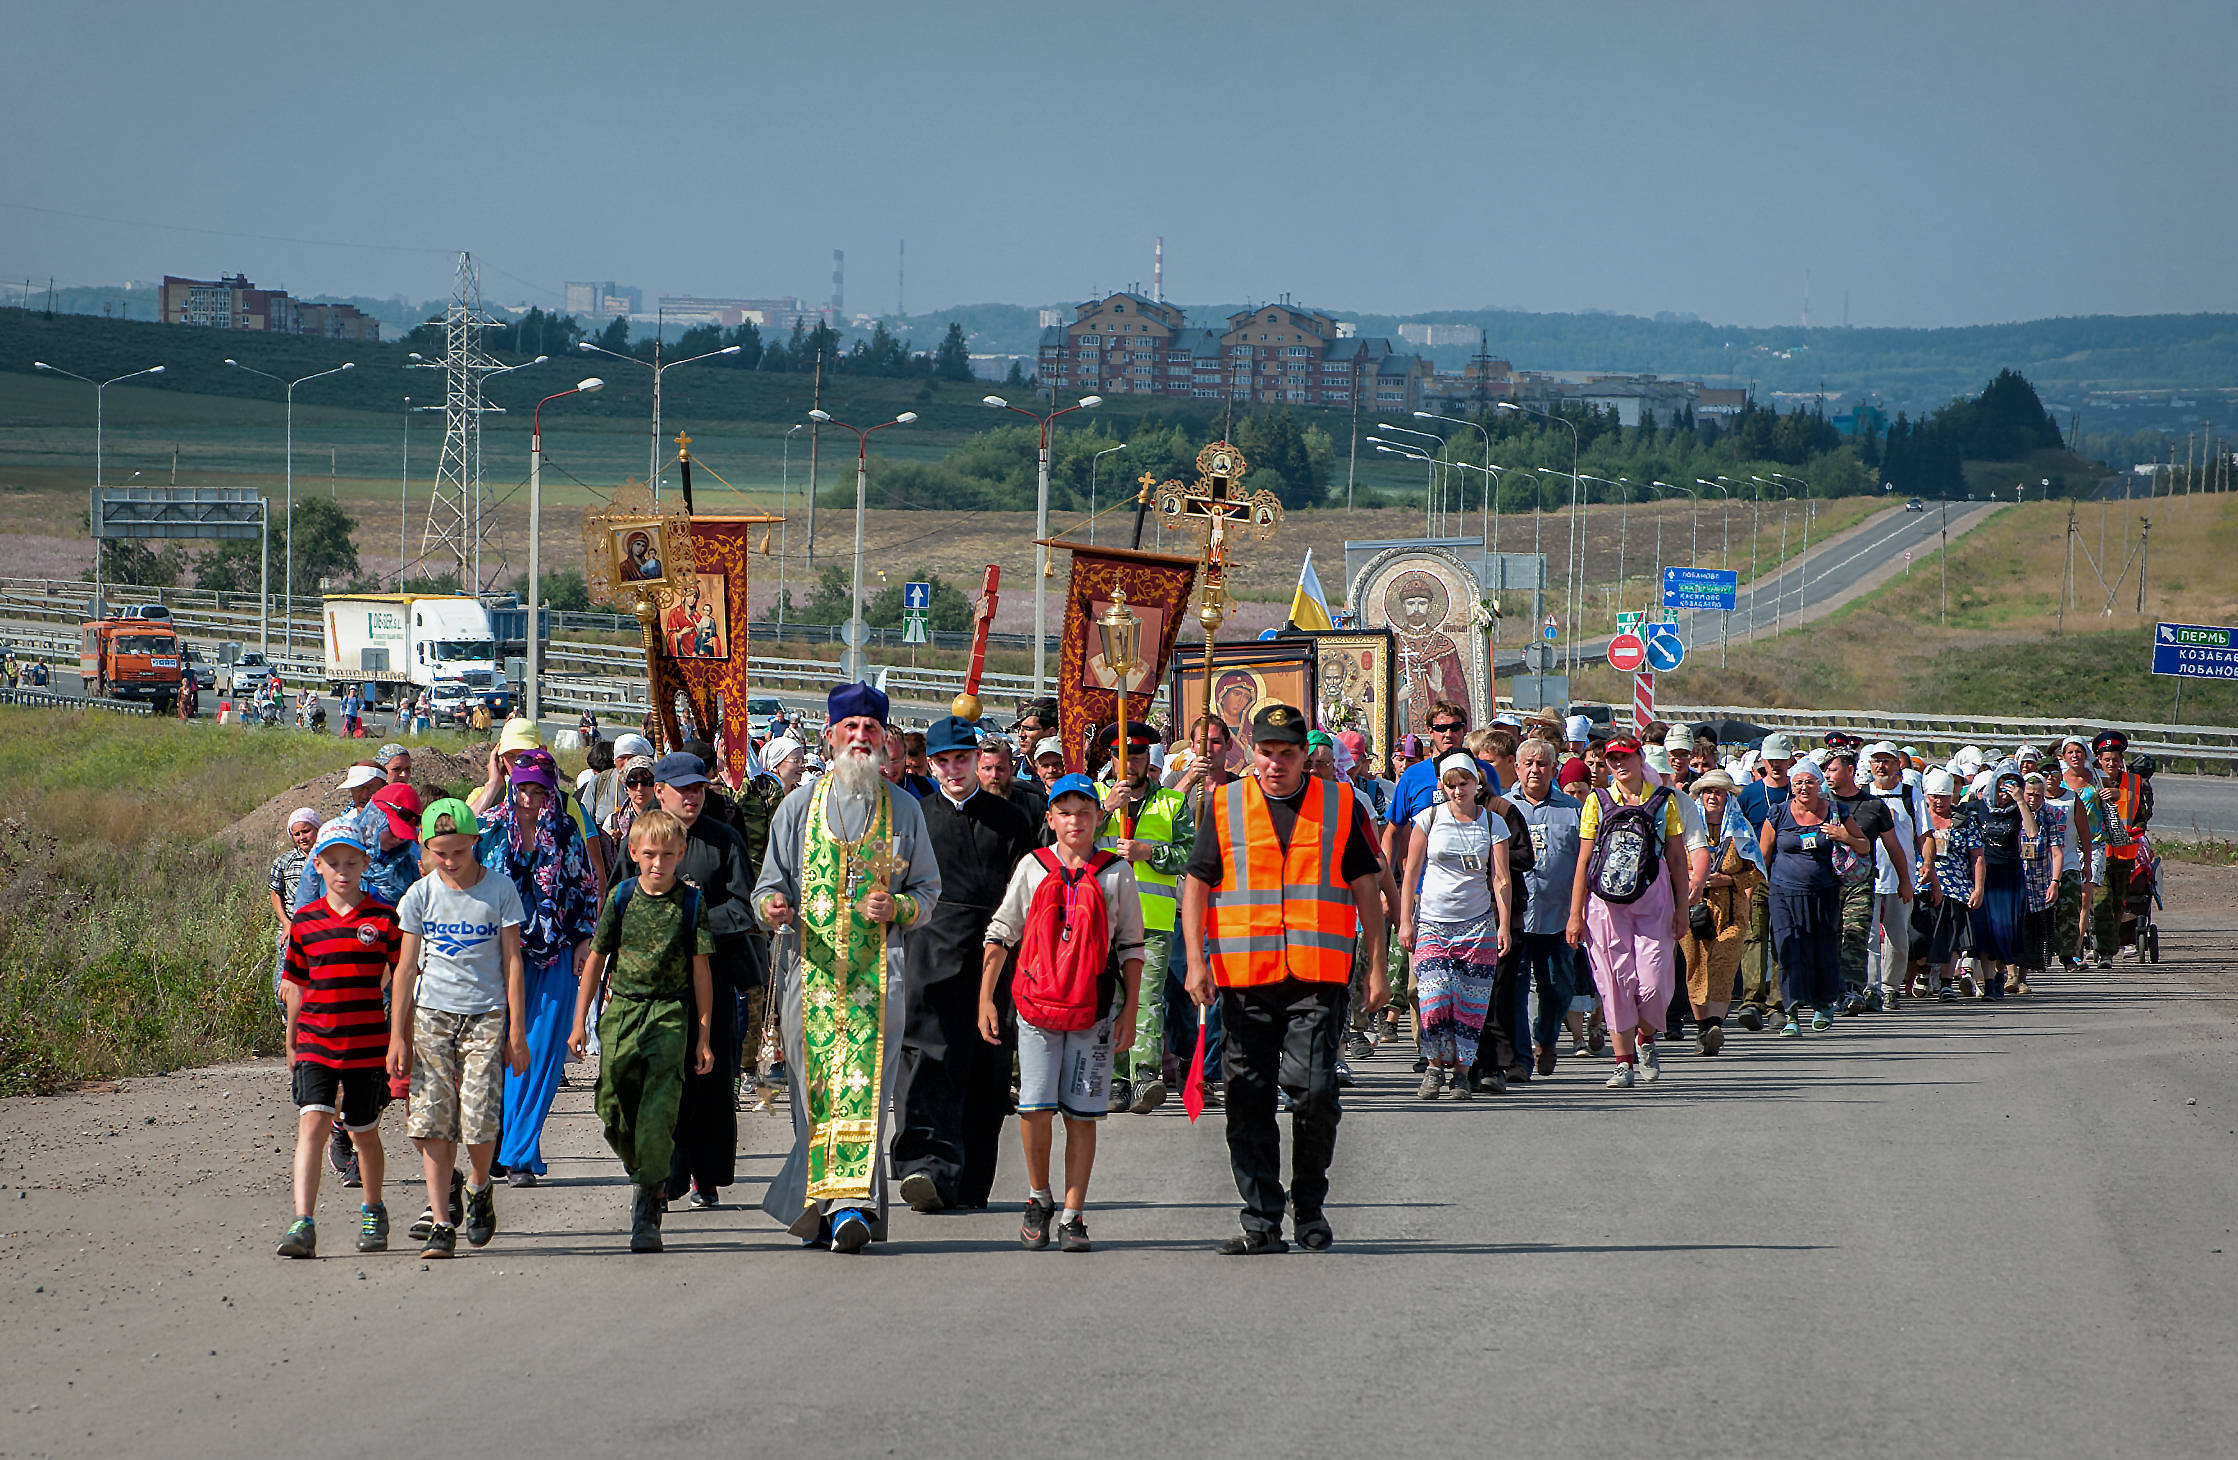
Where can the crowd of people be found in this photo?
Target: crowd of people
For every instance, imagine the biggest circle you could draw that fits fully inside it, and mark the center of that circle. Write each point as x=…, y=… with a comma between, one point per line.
x=917, y=934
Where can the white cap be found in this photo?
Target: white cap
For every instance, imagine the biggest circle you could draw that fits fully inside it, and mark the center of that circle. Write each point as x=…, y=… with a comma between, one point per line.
x=1778, y=747
x=626, y=746
x=363, y=775
x=1679, y=739
x=1577, y=728
x=778, y=751
x=1883, y=747
x=1938, y=782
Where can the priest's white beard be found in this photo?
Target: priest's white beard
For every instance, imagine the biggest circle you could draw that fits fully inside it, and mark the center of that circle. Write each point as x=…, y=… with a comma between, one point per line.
x=858, y=772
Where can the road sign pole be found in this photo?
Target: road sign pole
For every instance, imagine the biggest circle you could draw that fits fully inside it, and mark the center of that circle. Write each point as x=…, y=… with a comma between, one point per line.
x=1643, y=699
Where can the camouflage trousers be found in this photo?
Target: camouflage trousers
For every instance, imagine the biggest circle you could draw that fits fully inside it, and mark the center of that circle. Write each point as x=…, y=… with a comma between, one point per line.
x=2067, y=914
x=1760, y=967
x=1146, y=1059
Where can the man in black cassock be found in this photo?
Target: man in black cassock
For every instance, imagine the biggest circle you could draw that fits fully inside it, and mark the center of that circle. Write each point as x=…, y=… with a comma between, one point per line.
x=706, y=1158
x=954, y=1087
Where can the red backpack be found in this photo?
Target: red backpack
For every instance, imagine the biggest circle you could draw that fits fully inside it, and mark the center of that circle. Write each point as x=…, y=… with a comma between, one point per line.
x=1063, y=981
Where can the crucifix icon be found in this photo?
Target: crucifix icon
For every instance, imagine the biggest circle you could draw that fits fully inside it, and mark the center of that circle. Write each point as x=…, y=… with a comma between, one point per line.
x=1218, y=505
x=879, y=867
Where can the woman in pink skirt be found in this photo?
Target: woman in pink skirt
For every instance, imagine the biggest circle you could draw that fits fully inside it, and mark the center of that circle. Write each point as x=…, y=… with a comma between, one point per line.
x=1627, y=906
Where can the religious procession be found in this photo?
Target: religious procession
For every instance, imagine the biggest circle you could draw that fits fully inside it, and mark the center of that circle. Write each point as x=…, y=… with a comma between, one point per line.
x=1218, y=879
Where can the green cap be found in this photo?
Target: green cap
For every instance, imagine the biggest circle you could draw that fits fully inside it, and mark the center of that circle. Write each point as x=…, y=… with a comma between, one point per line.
x=460, y=814
x=1319, y=740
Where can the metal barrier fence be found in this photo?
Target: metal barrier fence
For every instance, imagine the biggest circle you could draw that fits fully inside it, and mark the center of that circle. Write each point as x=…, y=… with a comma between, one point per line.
x=51, y=700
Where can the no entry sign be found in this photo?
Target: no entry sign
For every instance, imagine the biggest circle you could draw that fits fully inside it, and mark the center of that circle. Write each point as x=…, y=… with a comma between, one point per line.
x=1627, y=652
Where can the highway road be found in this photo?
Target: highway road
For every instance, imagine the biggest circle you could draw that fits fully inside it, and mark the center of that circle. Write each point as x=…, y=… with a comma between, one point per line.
x=1973, y=1229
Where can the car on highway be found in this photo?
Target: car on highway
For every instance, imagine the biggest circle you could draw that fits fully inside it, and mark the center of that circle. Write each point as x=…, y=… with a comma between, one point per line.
x=759, y=710
x=1915, y=505
x=249, y=673
x=144, y=611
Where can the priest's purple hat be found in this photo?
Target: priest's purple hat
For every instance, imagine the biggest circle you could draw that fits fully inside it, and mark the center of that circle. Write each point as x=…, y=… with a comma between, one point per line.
x=849, y=700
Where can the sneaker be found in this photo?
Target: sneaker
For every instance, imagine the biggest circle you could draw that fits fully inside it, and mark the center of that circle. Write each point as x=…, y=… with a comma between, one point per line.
x=520, y=1176
x=302, y=1239
x=1252, y=1244
x=481, y=1215
x=1851, y=1006
x=1620, y=1078
x=704, y=1198
x=1578, y=1050
x=1946, y=995
x=1461, y=1084
x=1713, y=1038
x=1546, y=1060
x=441, y=1241
x=1651, y=1064
x=1421, y=1063
x=1875, y=1001
x=1316, y=1235
x=1344, y=1075
x=373, y=1228
x=1033, y=1232
x=1357, y=1046
x=921, y=1192
x=1598, y=1041
x=1890, y=1001
x=1149, y=1095
x=850, y=1231
x=1750, y=1019
x=1822, y=1021
x=1072, y=1236
x=423, y=1224
x=1433, y=1084
x=340, y=1150
x=1122, y=1094
x=1791, y=1029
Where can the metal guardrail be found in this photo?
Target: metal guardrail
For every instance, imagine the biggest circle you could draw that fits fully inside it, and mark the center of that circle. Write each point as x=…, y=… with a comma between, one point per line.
x=52, y=700
x=2209, y=746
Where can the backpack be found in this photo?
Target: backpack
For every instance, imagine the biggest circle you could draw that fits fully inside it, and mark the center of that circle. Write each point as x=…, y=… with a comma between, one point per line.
x=1627, y=847
x=1065, y=980
x=627, y=889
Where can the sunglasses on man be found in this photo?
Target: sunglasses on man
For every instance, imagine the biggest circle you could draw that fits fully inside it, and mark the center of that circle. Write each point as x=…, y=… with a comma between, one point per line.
x=1450, y=726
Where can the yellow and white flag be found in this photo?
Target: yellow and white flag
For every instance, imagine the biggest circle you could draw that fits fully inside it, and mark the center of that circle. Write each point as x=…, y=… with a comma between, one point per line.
x=1308, y=609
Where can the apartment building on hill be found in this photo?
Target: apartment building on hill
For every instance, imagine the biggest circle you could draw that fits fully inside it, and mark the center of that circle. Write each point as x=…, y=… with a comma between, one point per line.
x=236, y=304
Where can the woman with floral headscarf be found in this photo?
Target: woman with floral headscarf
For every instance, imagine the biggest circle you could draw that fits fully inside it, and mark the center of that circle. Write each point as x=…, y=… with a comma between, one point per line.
x=532, y=840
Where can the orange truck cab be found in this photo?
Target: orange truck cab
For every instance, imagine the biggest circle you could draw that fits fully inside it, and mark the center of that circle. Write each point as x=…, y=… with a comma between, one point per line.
x=131, y=659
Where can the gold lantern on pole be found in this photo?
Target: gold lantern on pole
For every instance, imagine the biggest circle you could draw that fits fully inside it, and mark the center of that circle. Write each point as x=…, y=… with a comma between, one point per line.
x=1119, y=635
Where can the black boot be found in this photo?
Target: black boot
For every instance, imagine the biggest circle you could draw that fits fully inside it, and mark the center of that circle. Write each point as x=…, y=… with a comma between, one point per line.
x=645, y=1219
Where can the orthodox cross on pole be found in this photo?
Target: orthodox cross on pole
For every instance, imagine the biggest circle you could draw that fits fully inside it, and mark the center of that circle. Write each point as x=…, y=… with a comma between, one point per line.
x=1218, y=508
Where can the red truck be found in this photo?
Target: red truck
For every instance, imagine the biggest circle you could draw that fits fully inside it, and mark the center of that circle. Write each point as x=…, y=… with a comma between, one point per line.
x=132, y=659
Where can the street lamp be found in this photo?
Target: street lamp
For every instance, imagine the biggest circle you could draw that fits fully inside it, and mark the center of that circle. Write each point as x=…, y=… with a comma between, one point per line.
x=1802, y=582
x=1623, y=487
x=1093, y=462
x=1041, y=525
x=287, y=589
x=1779, y=575
x=536, y=537
x=1489, y=484
x=653, y=470
x=1411, y=452
x=784, y=499
x=1575, y=583
x=1725, y=556
x=1429, y=526
x=856, y=634
x=100, y=396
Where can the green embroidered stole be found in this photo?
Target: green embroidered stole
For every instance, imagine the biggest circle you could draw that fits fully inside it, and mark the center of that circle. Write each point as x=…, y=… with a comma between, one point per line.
x=842, y=1001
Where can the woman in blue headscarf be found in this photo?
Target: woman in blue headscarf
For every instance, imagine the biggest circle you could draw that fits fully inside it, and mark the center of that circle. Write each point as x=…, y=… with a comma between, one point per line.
x=1717, y=923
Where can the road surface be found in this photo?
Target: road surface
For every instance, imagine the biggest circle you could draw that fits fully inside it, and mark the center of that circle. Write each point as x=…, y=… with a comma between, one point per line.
x=1960, y=1230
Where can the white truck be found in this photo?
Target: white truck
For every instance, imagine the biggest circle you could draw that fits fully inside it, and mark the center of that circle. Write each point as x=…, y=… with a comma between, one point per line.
x=401, y=643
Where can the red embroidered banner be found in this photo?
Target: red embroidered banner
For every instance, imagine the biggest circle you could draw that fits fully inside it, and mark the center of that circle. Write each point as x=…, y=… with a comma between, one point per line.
x=699, y=640
x=1157, y=586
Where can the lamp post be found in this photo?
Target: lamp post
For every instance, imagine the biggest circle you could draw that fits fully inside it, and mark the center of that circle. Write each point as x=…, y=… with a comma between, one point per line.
x=653, y=463
x=1575, y=582
x=1725, y=556
x=1803, y=579
x=1043, y=419
x=536, y=539
x=1092, y=464
x=784, y=499
x=1779, y=575
x=287, y=588
x=856, y=634
x=1493, y=506
x=1623, y=487
x=1429, y=525
x=100, y=397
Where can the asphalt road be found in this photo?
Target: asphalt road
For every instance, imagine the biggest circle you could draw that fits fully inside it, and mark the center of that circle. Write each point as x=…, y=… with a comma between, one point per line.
x=1978, y=1230
x=2195, y=807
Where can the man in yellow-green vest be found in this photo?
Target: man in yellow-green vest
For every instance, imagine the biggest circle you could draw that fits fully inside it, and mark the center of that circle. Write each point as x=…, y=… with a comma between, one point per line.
x=1149, y=825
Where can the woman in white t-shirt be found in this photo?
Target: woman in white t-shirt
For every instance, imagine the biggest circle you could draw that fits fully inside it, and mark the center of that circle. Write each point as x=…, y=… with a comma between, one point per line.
x=1454, y=919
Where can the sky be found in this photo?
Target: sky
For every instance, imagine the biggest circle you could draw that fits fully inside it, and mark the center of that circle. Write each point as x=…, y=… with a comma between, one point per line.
x=1939, y=163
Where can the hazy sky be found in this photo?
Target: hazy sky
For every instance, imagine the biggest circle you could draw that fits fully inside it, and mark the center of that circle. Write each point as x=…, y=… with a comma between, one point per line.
x=1954, y=161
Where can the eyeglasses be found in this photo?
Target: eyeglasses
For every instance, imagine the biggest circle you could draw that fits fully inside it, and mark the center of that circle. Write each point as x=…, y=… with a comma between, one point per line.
x=1450, y=726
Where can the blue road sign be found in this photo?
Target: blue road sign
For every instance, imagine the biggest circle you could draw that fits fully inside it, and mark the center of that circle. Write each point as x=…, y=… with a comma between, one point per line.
x=1550, y=630
x=1665, y=649
x=2195, y=651
x=916, y=595
x=1700, y=588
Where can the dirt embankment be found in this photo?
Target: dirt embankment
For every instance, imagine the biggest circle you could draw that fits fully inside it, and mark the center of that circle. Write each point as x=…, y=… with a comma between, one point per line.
x=434, y=773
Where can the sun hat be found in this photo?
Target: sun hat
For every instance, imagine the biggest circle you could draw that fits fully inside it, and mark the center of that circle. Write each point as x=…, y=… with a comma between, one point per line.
x=463, y=821
x=519, y=734
x=1658, y=759
x=1713, y=781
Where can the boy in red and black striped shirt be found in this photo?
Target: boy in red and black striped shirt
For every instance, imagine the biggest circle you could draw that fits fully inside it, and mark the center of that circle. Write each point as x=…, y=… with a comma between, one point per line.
x=341, y=951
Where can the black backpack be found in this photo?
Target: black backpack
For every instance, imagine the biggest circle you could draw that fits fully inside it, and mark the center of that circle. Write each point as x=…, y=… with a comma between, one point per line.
x=1627, y=847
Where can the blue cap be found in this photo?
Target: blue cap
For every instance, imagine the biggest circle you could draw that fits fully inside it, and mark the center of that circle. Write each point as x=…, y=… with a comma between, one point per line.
x=1075, y=784
x=680, y=768
x=849, y=700
x=343, y=832
x=952, y=733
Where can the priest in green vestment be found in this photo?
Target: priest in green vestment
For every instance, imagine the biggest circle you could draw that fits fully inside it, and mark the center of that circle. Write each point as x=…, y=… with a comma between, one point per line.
x=848, y=871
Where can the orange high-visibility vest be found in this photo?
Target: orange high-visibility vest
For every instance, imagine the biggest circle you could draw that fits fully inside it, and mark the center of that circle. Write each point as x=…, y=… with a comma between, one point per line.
x=2129, y=797
x=1282, y=913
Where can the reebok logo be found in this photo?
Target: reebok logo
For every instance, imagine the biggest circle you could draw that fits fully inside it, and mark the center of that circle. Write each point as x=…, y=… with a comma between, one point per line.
x=457, y=940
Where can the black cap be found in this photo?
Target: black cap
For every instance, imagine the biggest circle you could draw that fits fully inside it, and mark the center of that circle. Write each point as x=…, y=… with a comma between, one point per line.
x=1139, y=737
x=1279, y=723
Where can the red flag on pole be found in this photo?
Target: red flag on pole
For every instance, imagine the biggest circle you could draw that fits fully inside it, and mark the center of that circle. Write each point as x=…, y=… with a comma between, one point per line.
x=1192, y=1091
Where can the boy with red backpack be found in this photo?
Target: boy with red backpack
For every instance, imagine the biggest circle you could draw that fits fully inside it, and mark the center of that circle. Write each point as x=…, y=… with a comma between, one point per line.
x=1076, y=918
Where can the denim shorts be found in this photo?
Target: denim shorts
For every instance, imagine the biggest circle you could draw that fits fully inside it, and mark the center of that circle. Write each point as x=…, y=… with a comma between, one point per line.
x=1070, y=1071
